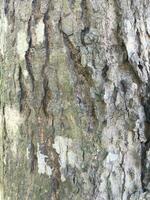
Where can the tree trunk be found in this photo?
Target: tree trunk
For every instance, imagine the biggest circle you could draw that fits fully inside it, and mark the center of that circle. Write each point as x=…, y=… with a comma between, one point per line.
x=75, y=100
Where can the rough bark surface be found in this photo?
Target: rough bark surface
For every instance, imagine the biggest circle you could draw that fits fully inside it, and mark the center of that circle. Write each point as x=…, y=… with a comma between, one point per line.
x=75, y=99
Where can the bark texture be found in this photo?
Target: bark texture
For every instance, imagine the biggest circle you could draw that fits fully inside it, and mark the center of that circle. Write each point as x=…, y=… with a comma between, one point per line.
x=75, y=99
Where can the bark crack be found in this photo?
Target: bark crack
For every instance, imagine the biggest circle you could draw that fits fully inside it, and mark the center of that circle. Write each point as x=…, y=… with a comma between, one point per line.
x=145, y=146
x=28, y=55
x=47, y=91
x=84, y=79
x=124, y=176
x=124, y=89
x=22, y=93
x=76, y=57
x=145, y=177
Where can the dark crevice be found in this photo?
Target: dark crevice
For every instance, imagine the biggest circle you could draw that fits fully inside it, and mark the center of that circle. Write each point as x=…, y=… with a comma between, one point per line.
x=6, y=6
x=92, y=116
x=85, y=13
x=56, y=175
x=146, y=102
x=4, y=125
x=114, y=95
x=124, y=88
x=124, y=176
x=4, y=138
x=34, y=3
x=28, y=55
x=147, y=130
x=86, y=20
x=36, y=10
x=46, y=97
x=47, y=92
x=104, y=71
x=76, y=58
x=46, y=32
x=145, y=146
x=140, y=67
x=83, y=34
x=145, y=171
x=84, y=81
x=138, y=40
x=32, y=157
x=92, y=179
x=23, y=106
x=22, y=92
x=93, y=60
x=109, y=187
x=53, y=157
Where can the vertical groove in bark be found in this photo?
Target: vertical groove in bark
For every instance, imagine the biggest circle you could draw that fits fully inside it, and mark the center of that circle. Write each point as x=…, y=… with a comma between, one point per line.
x=47, y=92
x=83, y=77
x=5, y=139
x=22, y=93
x=28, y=54
x=86, y=20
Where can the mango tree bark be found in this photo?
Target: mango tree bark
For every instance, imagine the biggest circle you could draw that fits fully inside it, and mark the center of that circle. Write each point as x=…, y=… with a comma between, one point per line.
x=75, y=99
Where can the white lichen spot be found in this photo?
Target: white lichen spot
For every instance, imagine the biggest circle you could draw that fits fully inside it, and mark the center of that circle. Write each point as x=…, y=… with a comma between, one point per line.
x=43, y=167
x=72, y=158
x=111, y=157
x=28, y=153
x=112, y=160
x=22, y=44
x=25, y=73
x=63, y=147
x=108, y=91
x=13, y=121
x=39, y=30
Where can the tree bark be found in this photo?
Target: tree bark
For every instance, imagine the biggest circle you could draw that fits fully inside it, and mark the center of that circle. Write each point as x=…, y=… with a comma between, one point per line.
x=75, y=100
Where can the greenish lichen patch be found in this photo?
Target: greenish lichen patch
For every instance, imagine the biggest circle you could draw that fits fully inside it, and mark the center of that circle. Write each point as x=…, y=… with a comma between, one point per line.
x=71, y=122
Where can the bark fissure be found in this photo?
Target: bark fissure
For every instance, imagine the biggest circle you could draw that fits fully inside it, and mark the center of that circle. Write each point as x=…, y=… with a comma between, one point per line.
x=84, y=78
x=5, y=124
x=76, y=57
x=28, y=55
x=32, y=157
x=145, y=146
x=56, y=174
x=124, y=176
x=22, y=92
x=47, y=92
